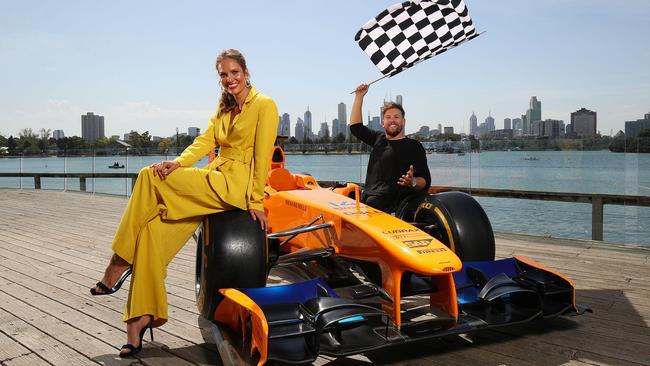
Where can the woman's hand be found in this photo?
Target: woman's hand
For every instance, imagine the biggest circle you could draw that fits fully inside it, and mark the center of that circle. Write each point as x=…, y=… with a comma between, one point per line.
x=164, y=168
x=259, y=216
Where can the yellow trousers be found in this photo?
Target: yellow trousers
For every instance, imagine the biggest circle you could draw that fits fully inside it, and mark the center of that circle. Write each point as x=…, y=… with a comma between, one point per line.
x=159, y=219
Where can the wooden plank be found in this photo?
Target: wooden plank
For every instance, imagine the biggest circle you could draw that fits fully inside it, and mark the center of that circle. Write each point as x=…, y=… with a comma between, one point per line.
x=30, y=359
x=185, y=313
x=54, y=260
x=74, y=310
x=39, y=342
x=81, y=333
x=9, y=347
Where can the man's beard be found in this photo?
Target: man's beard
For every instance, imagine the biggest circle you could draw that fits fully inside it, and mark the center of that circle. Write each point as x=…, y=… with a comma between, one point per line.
x=395, y=132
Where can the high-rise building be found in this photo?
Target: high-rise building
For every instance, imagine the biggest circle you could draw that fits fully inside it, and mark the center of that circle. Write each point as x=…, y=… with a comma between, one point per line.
x=324, y=130
x=342, y=121
x=507, y=124
x=300, y=130
x=583, y=123
x=632, y=128
x=284, y=125
x=516, y=124
x=423, y=131
x=58, y=134
x=92, y=127
x=307, y=124
x=534, y=113
x=489, y=124
x=473, y=124
x=342, y=115
x=193, y=131
x=440, y=127
x=449, y=130
x=550, y=128
x=374, y=123
x=335, y=127
x=398, y=100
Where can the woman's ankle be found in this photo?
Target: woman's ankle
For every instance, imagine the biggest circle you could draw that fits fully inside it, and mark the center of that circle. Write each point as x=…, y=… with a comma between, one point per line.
x=116, y=260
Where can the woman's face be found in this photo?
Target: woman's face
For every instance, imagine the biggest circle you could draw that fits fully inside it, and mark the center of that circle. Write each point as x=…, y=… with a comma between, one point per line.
x=233, y=77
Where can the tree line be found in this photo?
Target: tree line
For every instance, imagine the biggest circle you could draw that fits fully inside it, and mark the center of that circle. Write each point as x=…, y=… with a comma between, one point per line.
x=29, y=142
x=639, y=144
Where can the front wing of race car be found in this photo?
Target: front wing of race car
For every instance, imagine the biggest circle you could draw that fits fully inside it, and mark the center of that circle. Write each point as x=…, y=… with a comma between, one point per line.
x=295, y=323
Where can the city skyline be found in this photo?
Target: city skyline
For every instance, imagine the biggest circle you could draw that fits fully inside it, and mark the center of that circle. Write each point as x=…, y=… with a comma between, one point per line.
x=155, y=73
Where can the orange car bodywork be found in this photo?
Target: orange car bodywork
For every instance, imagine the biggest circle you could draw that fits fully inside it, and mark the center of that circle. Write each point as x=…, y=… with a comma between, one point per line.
x=360, y=232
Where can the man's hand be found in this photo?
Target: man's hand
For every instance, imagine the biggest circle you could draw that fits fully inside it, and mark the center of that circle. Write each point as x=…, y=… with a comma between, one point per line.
x=361, y=90
x=260, y=216
x=164, y=168
x=407, y=179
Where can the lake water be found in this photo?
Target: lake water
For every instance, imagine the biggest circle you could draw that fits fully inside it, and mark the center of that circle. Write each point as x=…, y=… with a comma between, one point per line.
x=555, y=171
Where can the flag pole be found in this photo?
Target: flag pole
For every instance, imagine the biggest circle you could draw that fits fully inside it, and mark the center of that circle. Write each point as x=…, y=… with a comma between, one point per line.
x=374, y=81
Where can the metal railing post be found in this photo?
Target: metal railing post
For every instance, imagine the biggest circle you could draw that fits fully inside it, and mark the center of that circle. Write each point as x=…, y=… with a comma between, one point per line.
x=597, y=218
x=82, y=184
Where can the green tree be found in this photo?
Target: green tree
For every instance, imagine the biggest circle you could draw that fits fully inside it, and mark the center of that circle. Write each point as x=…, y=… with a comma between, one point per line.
x=165, y=143
x=339, y=138
x=3, y=140
x=28, y=142
x=12, y=145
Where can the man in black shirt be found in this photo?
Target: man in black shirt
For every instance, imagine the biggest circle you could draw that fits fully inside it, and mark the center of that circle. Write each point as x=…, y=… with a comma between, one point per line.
x=397, y=167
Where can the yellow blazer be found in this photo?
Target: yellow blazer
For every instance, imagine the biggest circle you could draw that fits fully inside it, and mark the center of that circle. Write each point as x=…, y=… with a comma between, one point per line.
x=238, y=174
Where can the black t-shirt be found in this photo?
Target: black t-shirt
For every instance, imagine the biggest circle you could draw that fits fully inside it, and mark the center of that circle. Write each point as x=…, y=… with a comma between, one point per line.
x=389, y=160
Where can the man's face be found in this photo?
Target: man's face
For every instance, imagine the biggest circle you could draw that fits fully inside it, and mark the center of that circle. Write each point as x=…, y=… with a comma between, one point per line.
x=393, y=122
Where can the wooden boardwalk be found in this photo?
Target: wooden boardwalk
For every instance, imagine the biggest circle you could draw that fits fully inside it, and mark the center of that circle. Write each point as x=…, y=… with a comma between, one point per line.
x=54, y=246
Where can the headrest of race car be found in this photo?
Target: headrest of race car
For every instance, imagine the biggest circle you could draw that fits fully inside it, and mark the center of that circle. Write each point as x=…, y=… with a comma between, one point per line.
x=281, y=179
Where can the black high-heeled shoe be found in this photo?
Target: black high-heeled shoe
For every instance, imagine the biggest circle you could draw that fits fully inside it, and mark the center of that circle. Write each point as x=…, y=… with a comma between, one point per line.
x=106, y=290
x=133, y=349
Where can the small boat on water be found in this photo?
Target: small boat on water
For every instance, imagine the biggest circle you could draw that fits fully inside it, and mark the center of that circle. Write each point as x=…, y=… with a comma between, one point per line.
x=116, y=165
x=531, y=158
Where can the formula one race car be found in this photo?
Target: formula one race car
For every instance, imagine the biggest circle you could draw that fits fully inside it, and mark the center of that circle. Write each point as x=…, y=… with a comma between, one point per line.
x=355, y=279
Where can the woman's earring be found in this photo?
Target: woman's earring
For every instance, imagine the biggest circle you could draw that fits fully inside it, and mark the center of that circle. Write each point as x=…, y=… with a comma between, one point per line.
x=248, y=83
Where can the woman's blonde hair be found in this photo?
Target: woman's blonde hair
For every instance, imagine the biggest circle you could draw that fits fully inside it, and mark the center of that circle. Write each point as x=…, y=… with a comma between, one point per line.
x=227, y=101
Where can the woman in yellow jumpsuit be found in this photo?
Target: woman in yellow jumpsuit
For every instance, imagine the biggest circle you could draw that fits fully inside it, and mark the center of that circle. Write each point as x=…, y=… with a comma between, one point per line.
x=165, y=209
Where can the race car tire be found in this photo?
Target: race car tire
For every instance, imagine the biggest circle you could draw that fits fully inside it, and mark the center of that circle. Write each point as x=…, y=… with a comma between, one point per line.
x=231, y=252
x=459, y=222
x=405, y=210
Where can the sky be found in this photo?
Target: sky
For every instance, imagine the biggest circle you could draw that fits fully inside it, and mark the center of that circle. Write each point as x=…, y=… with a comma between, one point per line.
x=149, y=65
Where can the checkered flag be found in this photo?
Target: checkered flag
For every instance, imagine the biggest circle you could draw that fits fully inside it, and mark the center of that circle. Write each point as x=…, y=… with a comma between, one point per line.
x=413, y=31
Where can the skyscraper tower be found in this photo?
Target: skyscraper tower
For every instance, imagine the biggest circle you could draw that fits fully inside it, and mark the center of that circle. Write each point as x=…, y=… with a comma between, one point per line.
x=584, y=122
x=489, y=123
x=335, y=127
x=300, y=130
x=473, y=124
x=307, y=122
x=92, y=127
x=342, y=121
x=534, y=114
x=398, y=99
x=284, y=128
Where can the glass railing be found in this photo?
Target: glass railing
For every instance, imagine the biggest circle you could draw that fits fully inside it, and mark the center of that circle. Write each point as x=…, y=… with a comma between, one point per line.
x=518, y=165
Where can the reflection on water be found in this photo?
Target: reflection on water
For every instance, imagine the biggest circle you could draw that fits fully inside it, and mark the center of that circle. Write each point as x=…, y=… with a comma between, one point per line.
x=557, y=171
